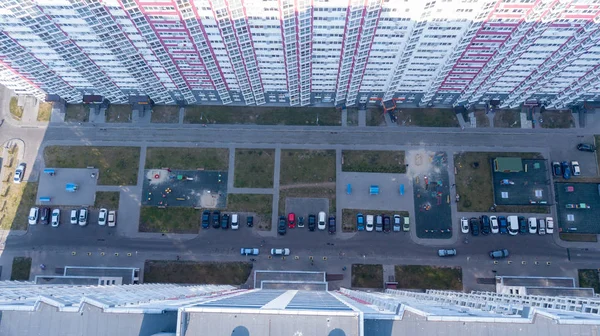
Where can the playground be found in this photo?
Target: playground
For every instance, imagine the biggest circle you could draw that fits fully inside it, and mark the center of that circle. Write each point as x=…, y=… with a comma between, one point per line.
x=529, y=185
x=184, y=188
x=578, y=207
x=67, y=186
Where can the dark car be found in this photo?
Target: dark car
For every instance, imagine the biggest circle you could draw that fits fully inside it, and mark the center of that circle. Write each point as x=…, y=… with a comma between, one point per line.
x=44, y=214
x=281, y=226
x=331, y=224
x=566, y=170
x=216, y=219
x=225, y=221
x=387, y=224
x=499, y=254
x=503, y=224
x=485, y=225
x=556, y=170
x=205, y=219
x=312, y=221
x=523, y=225
x=474, y=226
x=250, y=221
x=584, y=147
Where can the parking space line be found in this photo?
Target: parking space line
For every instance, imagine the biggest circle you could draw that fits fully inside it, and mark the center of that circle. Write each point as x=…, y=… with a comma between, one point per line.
x=296, y=257
x=116, y=254
x=523, y=262
x=73, y=253
x=311, y=258
x=536, y=262
x=129, y=254
x=495, y=262
x=89, y=253
x=509, y=262
x=547, y=263
x=102, y=253
x=324, y=258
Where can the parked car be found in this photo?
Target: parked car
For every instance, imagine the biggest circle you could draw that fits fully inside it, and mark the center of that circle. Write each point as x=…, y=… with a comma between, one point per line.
x=83, y=217
x=387, y=224
x=216, y=219
x=585, y=147
x=379, y=223
x=19, y=173
x=464, y=225
x=249, y=251
x=566, y=170
x=522, y=224
x=282, y=251
x=235, y=222
x=281, y=227
x=332, y=227
x=503, y=225
x=225, y=222
x=556, y=169
x=485, y=225
x=494, y=224
x=447, y=252
x=321, y=223
x=312, y=221
x=360, y=222
x=250, y=221
x=44, y=215
x=474, y=226
x=499, y=254
x=576, y=168
x=55, y=218
x=513, y=225
x=102, y=216
x=397, y=223
x=406, y=225
x=33, y=216
x=112, y=218
x=532, y=225
x=549, y=225
x=74, y=216
x=541, y=226
x=291, y=220
x=300, y=222
x=205, y=219
x=370, y=225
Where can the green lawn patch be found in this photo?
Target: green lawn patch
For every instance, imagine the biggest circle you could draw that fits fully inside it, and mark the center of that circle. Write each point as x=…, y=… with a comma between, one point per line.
x=349, y=217
x=375, y=117
x=169, y=220
x=261, y=115
x=557, y=119
x=15, y=199
x=507, y=118
x=373, y=161
x=192, y=272
x=307, y=166
x=588, y=278
x=165, y=114
x=107, y=199
x=254, y=168
x=308, y=192
x=367, y=276
x=578, y=237
x=597, y=143
x=481, y=119
x=429, y=277
x=427, y=117
x=187, y=158
x=21, y=268
x=44, y=111
x=474, y=185
x=117, y=165
x=352, y=117
x=258, y=204
x=15, y=110
x=77, y=112
x=120, y=113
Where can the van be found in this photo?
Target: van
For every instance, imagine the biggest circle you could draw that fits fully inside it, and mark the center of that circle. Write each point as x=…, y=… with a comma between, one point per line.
x=321, y=222
x=513, y=225
x=541, y=226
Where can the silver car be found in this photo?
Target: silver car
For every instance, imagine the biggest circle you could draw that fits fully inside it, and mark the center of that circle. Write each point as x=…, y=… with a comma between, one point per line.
x=447, y=252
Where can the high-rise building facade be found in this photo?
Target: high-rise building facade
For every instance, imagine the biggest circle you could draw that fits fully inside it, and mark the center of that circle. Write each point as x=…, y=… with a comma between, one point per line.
x=304, y=52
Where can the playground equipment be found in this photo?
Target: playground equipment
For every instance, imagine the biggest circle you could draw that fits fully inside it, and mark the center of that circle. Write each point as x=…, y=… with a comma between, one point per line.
x=401, y=189
x=45, y=199
x=506, y=182
x=49, y=171
x=349, y=189
x=71, y=187
x=374, y=190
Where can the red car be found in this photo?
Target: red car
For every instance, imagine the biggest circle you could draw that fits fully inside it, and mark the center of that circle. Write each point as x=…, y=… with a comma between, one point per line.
x=291, y=220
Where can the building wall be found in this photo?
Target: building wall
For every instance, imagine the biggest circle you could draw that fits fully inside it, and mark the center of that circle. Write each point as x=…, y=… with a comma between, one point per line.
x=303, y=52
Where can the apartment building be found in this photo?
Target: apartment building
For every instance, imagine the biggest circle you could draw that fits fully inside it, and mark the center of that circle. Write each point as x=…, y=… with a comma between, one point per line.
x=304, y=52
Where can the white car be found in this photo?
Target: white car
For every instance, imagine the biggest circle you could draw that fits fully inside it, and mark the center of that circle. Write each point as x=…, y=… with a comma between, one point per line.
x=464, y=225
x=18, y=177
x=112, y=218
x=55, y=218
x=532, y=225
x=102, y=216
x=576, y=169
x=33, y=216
x=235, y=222
x=74, y=216
x=549, y=225
x=494, y=223
x=283, y=251
x=370, y=225
x=321, y=225
x=83, y=214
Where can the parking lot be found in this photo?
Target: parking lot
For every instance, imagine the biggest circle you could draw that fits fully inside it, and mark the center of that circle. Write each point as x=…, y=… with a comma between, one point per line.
x=578, y=207
x=567, y=151
x=54, y=187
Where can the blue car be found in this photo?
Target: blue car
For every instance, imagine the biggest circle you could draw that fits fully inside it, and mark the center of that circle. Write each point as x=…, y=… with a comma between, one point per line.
x=206, y=219
x=503, y=224
x=566, y=170
x=360, y=222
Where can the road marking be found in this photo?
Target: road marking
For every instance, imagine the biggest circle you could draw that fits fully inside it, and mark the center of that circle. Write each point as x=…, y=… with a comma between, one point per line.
x=73, y=253
x=270, y=257
x=89, y=253
x=102, y=253
x=311, y=258
x=129, y=254
x=116, y=254
x=509, y=262
x=536, y=262
x=495, y=262
x=523, y=262
x=548, y=263
x=296, y=257
x=324, y=258
x=282, y=258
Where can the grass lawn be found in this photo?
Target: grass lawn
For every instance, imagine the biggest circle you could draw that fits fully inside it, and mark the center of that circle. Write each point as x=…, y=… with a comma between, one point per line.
x=352, y=117
x=375, y=117
x=261, y=205
x=107, y=199
x=427, y=117
x=474, y=185
x=192, y=272
x=557, y=119
x=117, y=165
x=597, y=143
x=187, y=158
x=165, y=114
x=15, y=199
x=429, y=277
x=507, y=118
x=15, y=110
x=588, y=278
x=77, y=112
x=44, y=111
x=307, y=166
x=308, y=116
x=578, y=237
x=308, y=192
x=169, y=220
x=367, y=276
x=120, y=113
x=254, y=168
x=349, y=217
x=481, y=119
x=21, y=267
x=373, y=161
